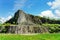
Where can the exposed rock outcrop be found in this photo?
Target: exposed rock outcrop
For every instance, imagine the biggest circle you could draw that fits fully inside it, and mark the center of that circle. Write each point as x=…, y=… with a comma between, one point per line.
x=25, y=23
x=21, y=17
x=23, y=29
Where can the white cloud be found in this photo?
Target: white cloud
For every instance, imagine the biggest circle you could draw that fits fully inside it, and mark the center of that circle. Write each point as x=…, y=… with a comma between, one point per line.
x=2, y=19
x=47, y=13
x=49, y=3
x=57, y=12
x=55, y=4
x=9, y=17
x=18, y=4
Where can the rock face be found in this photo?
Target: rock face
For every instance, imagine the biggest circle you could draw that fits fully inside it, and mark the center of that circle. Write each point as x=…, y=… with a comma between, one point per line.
x=25, y=24
x=24, y=29
x=30, y=29
x=24, y=18
x=21, y=17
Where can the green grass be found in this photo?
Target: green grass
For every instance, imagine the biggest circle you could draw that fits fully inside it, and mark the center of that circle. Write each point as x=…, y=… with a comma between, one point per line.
x=30, y=37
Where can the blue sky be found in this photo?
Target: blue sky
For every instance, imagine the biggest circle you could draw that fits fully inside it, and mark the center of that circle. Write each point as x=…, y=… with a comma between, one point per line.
x=36, y=7
x=8, y=7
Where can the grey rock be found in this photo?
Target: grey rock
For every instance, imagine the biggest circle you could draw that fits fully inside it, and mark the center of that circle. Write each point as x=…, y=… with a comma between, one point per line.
x=25, y=24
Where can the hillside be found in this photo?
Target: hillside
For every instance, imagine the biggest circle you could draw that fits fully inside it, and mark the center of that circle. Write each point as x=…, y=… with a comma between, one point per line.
x=22, y=22
x=32, y=18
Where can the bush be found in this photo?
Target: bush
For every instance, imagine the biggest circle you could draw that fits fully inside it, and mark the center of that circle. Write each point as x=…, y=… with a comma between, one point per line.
x=53, y=28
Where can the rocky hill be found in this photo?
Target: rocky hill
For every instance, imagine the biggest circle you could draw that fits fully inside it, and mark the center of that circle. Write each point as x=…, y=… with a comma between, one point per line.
x=21, y=17
x=30, y=19
x=22, y=22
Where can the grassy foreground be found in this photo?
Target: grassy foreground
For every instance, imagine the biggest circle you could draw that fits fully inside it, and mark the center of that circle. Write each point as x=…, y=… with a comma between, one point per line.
x=30, y=37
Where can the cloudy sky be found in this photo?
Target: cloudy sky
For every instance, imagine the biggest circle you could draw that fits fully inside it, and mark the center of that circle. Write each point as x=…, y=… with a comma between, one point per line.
x=48, y=8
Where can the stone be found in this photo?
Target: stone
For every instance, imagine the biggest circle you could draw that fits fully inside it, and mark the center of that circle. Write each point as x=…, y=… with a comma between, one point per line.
x=25, y=24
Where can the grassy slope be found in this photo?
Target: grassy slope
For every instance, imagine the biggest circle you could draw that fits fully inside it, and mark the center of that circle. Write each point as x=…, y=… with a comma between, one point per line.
x=30, y=37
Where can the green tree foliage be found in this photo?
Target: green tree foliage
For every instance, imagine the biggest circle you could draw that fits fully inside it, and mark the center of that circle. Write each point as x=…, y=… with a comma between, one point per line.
x=53, y=28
